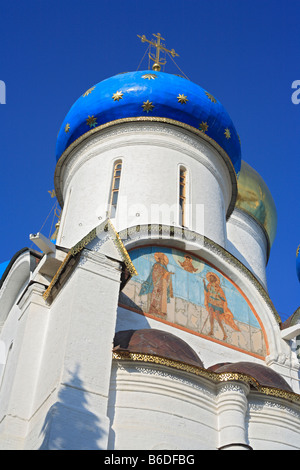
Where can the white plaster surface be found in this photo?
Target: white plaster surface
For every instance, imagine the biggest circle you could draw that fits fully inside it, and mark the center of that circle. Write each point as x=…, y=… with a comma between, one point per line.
x=60, y=387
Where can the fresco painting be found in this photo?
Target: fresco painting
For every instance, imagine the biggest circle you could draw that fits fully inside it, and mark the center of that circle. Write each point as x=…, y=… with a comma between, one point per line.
x=178, y=288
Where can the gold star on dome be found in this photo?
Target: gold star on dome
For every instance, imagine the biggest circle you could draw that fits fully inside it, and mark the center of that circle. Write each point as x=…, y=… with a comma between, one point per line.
x=182, y=99
x=211, y=97
x=149, y=76
x=203, y=126
x=67, y=128
x=89, y=91
x=227, y=133
x=117, y=96
x=147, y=106
x=91, y=121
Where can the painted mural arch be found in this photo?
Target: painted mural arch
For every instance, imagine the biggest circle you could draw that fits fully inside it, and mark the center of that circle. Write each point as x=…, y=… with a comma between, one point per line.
x=180, y=289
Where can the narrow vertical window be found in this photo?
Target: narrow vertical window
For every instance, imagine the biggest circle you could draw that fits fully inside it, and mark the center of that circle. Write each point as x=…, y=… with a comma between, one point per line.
x=115, y=189
x=182, y=196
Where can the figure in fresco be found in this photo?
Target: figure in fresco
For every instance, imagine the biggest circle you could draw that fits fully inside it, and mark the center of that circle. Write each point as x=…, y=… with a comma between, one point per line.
x=159, y=285
x=187, y=264
x=184, y=290
x=216, y=304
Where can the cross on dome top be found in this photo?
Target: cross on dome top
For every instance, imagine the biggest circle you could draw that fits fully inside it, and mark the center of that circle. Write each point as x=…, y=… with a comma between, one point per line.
x=158, y=62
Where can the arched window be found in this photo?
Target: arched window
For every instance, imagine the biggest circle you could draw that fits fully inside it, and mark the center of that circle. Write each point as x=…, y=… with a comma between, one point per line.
x=182, y=196
x=115, y=189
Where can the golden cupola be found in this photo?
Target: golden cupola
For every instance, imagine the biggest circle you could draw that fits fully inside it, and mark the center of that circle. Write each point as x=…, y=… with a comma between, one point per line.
x=255, y=198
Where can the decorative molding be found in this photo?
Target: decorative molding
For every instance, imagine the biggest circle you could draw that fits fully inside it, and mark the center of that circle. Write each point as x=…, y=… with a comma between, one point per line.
x=255, y=406
x=210, y=375
x=233, y=387
x=105, y=227
x=170, y=374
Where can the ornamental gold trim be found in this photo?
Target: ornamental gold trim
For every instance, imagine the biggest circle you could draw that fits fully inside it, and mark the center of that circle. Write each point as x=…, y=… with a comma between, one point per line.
x=89, y=91
x=48, y=291
x=84, y=242
x=106, y=226
x=211, y=97
x=121, y=248
x=207, y=374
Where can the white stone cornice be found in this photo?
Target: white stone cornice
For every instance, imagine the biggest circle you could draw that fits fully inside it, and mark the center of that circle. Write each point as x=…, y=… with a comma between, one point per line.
x=98, y=263
x=33, y=295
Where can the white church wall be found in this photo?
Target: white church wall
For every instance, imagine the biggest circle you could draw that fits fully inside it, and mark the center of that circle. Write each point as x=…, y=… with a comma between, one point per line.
x=151, y=156
x=273, y=424
x=157, y=408
x=25, y=328
x=79, y=344
x=59, y=363
x=63, y=386
x=247, y=241
x=9, y=335
x=60, y=386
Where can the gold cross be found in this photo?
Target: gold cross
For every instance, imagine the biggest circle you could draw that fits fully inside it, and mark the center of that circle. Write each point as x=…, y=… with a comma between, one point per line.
x=52, y=193
x=159, y=47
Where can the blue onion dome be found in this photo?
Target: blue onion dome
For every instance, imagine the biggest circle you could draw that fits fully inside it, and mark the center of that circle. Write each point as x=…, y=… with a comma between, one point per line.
x=151, y=95
x=298, y=262
x=255, y=198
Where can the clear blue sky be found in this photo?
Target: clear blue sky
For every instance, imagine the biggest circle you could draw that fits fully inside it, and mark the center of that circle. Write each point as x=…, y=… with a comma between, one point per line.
x=245, y=52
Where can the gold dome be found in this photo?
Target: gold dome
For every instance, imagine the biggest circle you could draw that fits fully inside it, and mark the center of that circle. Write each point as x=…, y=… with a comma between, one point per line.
x=255, y=199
